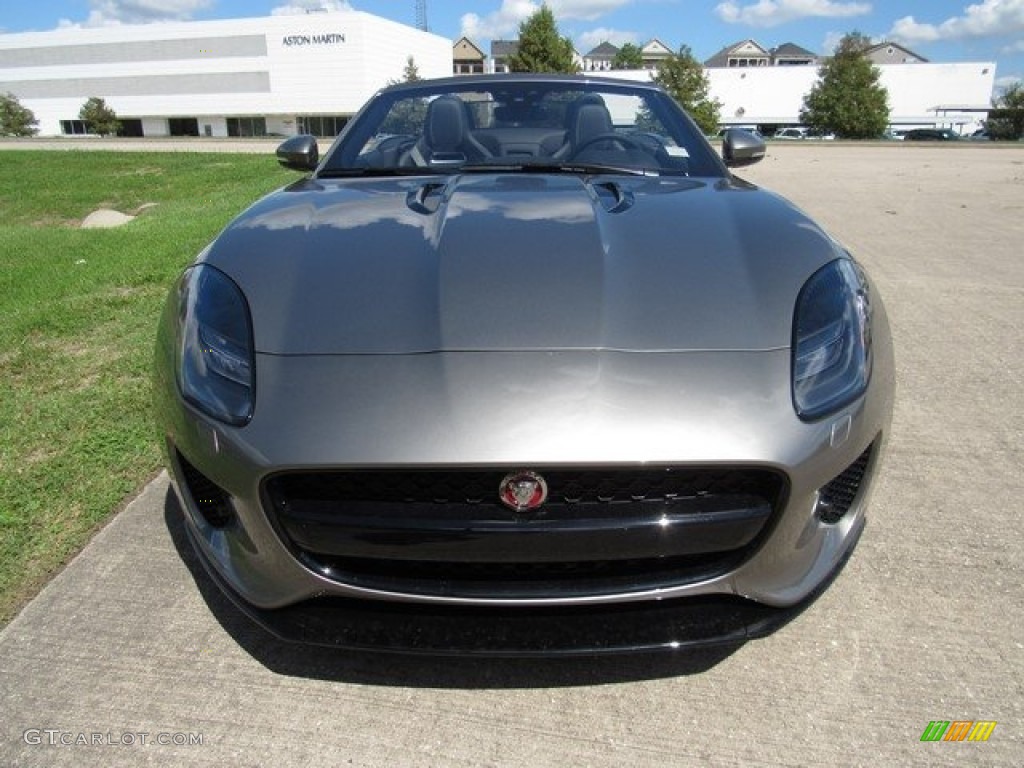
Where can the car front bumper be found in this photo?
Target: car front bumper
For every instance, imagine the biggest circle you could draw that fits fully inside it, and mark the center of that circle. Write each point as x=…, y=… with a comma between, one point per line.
x=519, y=411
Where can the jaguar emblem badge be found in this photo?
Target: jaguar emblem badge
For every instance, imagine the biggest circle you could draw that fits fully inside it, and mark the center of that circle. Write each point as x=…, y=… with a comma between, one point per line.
x=523, y=491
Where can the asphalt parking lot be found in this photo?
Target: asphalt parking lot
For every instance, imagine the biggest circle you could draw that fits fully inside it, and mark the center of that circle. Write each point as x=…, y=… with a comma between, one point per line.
x=132, y=657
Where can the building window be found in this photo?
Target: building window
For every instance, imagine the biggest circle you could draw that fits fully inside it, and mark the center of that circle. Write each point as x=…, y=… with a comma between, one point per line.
x=321, y=125
x=130, y=127
x=73, y=127
x=759, y=62
x=247, y=126
x=183, y=126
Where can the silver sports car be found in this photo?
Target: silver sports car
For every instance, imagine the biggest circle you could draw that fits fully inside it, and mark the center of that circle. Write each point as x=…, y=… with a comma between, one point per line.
x=520, y=367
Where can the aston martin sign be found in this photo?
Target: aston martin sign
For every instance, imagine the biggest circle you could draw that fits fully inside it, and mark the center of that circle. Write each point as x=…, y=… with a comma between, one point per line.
x=323, y=38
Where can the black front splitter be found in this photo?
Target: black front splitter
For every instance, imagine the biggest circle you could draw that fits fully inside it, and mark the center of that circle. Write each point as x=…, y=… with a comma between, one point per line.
x=521, y=631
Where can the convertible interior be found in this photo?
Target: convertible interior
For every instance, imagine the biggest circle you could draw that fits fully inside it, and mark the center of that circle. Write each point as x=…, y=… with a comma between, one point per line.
x=454, y=130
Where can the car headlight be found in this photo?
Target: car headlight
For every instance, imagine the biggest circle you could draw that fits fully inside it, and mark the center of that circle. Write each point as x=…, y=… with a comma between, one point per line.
x=215, y=348
x=831, y=340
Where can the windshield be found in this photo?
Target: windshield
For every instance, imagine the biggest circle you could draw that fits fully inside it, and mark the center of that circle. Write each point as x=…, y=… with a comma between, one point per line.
x=494, y=124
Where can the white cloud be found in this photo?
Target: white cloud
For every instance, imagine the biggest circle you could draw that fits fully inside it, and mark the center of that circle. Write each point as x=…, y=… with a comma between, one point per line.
x=587, y=10
x=104, y=13
x=590, y=40
x=832, y=40
x=501, y=24
x=989, y=18
x=504, y=22
x=299, y=7
x=772, y=13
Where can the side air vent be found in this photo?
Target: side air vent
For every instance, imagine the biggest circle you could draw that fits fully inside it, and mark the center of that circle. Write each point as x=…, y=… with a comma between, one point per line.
x=836, y=498
x=212, y=501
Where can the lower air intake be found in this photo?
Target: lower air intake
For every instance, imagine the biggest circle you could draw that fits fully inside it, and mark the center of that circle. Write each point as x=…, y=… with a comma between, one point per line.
x=836, y=498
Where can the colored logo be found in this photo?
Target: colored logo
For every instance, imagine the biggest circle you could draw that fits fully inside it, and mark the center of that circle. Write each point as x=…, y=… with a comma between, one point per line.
x=958, y=730
x=523, y=491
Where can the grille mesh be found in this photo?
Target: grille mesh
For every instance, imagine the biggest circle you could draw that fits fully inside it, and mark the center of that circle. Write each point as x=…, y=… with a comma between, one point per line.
x=566, y=487
x=836, y=498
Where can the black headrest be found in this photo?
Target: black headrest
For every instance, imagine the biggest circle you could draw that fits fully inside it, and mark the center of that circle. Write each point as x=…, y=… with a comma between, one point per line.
x=573, y=109
x=446, y=126
x=591, y=120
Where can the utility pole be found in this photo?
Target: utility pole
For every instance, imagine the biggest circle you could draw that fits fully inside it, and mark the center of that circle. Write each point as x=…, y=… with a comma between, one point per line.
x=421, y=15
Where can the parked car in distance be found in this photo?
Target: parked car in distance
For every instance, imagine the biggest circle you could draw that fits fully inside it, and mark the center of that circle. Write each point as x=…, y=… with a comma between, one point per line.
x=981, y=134
x=799, y=132
x=932, y=134
x=820, y=134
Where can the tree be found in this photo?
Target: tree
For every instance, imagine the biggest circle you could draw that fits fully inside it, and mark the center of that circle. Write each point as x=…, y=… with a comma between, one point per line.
x=98, y=117
x=16, y=120
x=541, y=48
x=629, y=57
x=411, y=73
x=1006, y=121
x=848, y=99
x=1013, y=96
x=684, y=79
x=407, y=115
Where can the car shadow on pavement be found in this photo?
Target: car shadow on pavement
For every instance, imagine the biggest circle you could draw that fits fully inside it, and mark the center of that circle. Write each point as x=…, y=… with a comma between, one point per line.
x=458, y=672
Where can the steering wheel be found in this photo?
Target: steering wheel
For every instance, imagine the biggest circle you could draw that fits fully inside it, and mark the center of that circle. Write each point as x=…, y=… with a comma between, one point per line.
x=626, y=142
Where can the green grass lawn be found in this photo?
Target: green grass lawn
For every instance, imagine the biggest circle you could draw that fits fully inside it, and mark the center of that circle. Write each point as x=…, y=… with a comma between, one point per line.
x=78, y=313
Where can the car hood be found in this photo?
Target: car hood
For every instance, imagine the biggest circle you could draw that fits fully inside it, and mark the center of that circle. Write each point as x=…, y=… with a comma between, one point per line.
x=520, y=262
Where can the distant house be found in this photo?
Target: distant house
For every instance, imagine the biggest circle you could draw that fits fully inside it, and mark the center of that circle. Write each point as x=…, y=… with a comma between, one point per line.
x=654, y=52
x=750, y=53
x=893, y=53
x=792, y=55
x=746, y=53
x=467, y=58
x=501, y=52
x=600, y=59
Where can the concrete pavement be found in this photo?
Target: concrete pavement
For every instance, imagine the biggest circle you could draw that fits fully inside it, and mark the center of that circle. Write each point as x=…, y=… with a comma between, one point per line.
x=132, y=650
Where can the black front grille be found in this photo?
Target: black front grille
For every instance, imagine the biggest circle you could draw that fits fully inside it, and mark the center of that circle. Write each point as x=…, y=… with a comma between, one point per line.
x=566, y=488
x=445, y=532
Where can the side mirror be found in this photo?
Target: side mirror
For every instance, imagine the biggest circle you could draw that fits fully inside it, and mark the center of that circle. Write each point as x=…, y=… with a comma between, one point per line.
x=300, y=153
x=741, y=148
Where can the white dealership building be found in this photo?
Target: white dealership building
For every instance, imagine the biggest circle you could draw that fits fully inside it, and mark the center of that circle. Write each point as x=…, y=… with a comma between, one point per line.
x=242, y=77
x=955, y=95
x=309, y=73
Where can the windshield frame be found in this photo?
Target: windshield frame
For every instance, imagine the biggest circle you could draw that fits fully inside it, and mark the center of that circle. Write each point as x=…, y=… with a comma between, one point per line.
x=342, y=159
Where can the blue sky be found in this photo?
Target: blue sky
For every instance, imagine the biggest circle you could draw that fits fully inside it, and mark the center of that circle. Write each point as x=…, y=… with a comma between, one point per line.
x=940, y=30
